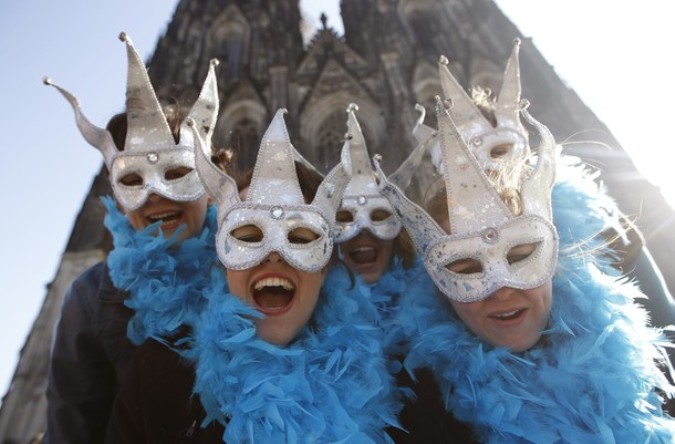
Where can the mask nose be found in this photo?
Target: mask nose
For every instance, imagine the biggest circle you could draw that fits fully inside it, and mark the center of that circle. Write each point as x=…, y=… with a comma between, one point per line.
x=274, y=257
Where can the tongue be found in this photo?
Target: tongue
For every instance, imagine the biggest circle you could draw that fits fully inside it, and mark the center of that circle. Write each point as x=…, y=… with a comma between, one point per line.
x=363, y=255
x=273, y=298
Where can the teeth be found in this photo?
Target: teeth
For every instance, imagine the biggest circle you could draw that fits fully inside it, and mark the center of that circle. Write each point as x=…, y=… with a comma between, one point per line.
x=274, y=282
x=507, y=315
x=156, y=217
x=362, y=249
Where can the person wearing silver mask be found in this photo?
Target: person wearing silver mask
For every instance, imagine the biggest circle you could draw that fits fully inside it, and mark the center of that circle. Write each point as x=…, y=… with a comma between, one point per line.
x=149, y=283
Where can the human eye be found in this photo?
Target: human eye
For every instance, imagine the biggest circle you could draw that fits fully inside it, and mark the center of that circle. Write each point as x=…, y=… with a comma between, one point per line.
x=247, y=233
x=131, y=180
x=379, y=215
x=177, y=173
x=302, y=236
x=521, y=252
x=465, y=266
x=344, y=216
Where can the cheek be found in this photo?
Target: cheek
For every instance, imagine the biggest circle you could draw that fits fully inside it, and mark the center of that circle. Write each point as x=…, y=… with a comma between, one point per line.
x=468, y=312
x=236, y=282
x=135, y=219
x=386, y=249
x=196, y=209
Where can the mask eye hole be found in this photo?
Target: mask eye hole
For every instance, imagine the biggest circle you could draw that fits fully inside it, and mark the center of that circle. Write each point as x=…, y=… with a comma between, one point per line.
x=302, y=236
x=131, y=180
x=379, y=215
x=465, y=266
x=521, y=252
x=248, y=233
x=344, y=216
x=500, y=150
x=177, y=173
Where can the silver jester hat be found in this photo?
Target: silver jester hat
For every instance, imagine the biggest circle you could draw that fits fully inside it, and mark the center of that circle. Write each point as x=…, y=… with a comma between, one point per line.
x=150, y=151
x=482, y=228
x=492, y=144
x=274, y=203
x=362, y=197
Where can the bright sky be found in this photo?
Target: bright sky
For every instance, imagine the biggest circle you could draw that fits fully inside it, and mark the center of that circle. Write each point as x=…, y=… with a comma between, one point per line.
x=614, y=53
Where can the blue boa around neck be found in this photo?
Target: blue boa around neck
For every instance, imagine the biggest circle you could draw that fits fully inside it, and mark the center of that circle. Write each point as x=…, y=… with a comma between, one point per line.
x=329, y=385
x=594, y=375
x=388, y=295
x=164, y=277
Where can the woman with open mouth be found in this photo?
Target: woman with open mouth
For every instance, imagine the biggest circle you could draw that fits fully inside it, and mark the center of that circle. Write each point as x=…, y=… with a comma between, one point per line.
x=286, y=350
x=531, y=334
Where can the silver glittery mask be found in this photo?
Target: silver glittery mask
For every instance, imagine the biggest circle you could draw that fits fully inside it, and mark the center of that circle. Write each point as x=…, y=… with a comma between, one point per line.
x=482, y=228
x=275, y=205
x=491, y=144
x=151, y=156
x=362, y=197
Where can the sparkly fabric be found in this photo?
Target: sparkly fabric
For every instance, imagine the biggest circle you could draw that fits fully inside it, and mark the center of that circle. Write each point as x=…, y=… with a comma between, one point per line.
x=150, y=151
x=275, y=205
x=362, y=198
x=507, y=134
x=482, y=226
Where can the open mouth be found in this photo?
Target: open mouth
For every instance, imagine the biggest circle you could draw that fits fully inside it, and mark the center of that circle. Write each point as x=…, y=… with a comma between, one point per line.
x=273, y=295
x=363, y=255
x=166, y=218
x=509, y=315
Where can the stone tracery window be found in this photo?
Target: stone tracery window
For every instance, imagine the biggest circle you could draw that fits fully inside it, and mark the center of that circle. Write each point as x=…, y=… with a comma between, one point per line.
x=230, y=46
x=330, y=139
x=244, y=139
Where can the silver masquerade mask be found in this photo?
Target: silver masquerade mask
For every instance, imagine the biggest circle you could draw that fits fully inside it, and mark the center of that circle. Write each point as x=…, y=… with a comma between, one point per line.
x=482, y=228
x=151, y=162
x=491, y=144
x=275, y=205
x=362, y=198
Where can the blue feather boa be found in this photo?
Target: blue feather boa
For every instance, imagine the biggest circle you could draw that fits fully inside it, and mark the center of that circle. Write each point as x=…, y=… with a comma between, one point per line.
x=165, y=278
x=329, y=385
x=592, y=378
x=391, y=296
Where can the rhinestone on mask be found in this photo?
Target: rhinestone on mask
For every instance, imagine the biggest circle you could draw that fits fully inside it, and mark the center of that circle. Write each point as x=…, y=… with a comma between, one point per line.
x=361, y=200
x=152, y=158
x=490, y=235
x=277, y=212
x=477, y=141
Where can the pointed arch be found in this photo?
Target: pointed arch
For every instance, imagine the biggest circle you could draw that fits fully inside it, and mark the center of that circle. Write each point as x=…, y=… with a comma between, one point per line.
x=324, y=124
x=228, y=40
x=240, y=127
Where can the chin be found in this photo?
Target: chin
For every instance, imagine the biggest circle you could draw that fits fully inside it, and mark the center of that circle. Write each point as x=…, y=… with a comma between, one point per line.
x=275, y=336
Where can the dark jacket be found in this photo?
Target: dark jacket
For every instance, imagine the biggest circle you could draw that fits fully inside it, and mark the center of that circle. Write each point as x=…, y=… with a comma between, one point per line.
x=156, y=404
x=89, y=359
x=424, y=417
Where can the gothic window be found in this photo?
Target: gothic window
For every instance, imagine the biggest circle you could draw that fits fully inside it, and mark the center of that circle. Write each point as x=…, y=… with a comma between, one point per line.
x=230, y=47
x=330, y=140
x=422, y=18
x=244, y=139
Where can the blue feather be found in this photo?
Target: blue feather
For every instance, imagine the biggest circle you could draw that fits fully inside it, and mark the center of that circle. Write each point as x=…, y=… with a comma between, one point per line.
x=165, y=278
x=594, y=377
x=330, y=385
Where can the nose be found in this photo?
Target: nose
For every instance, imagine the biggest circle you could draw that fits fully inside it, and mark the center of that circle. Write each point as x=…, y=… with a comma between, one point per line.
x=154, y=198
x=274, y=257
x=503, y=293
